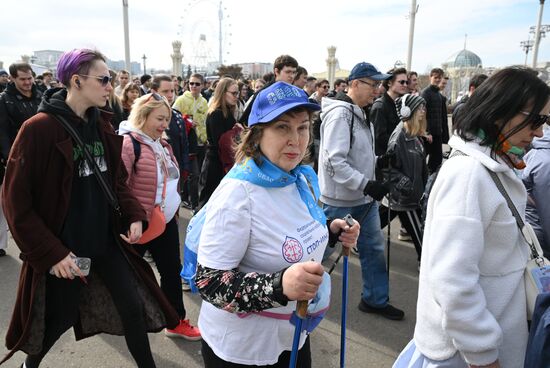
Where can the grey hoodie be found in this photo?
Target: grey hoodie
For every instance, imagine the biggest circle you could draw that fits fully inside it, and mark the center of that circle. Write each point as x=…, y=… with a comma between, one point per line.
x=345, y=167
x=536, y=177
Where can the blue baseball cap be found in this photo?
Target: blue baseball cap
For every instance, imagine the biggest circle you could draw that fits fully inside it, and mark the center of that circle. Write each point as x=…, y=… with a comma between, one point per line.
x=273, y=101
x=367, y=70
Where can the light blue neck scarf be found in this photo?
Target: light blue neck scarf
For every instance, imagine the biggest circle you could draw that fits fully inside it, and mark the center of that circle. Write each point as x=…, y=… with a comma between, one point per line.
x=270, y=176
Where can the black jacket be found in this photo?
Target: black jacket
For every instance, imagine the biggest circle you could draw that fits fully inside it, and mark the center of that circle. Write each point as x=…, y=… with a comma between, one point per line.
x=383, y=115
x=434, y=110
x=14, y=110
x=177, y=137
x=408, y=172
x=459, y=106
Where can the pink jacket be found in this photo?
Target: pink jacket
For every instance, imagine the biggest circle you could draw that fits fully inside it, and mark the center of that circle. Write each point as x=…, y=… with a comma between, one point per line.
x=143, y=181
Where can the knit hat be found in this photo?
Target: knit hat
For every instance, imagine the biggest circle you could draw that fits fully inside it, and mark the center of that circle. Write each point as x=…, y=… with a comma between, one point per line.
x=407, y=105
x=3, y=72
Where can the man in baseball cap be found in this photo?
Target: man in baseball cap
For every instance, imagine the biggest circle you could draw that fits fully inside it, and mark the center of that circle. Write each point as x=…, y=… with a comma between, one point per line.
x=346, y=177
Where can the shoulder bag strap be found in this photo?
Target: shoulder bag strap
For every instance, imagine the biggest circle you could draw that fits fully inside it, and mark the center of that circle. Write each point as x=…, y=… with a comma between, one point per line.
x=519, y=221
x=111, y=197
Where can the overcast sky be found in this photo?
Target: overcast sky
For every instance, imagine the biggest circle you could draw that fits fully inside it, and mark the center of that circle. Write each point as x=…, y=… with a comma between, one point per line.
x=257, y=30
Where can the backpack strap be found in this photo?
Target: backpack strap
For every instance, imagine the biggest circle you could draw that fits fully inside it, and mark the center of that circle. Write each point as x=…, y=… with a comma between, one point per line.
x=351, y=128
x=137, y=149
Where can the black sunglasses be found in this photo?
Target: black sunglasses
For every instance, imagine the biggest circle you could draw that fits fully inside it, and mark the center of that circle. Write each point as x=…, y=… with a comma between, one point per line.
x=403, y=82
x=537, y=120
x=194, y=84
x=106, y=79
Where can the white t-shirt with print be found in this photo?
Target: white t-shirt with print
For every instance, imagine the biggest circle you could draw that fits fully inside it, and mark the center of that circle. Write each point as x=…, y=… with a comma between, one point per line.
x=262, y=230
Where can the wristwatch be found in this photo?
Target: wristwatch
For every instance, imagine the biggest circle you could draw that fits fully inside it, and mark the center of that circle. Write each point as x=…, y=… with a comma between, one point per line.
x=278, y=295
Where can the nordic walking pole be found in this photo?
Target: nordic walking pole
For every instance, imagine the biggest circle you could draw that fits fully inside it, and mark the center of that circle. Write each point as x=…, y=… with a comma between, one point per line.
x=301, y=311
x=360, y=222
x=345, y=252
x=388, y=240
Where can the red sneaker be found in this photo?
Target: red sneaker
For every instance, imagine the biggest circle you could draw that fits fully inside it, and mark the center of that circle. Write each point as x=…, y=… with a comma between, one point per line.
x=185, y=330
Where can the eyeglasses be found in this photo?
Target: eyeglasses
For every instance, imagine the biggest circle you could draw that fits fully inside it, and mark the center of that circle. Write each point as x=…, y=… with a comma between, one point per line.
x=194, y=84
x=234, y=93
x=373, y=85
x=104, y=80
x=403, y=82
x=537, y=120
x=156, y=96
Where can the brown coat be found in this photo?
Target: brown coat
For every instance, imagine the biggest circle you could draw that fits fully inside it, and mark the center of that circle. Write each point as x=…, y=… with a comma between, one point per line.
x=36, y=196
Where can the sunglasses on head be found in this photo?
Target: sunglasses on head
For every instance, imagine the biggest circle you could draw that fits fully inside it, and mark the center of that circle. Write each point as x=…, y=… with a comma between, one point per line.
x=156, y=96
x=537, y=120
x=195, y=84
x=403, y=82
x=104, y=80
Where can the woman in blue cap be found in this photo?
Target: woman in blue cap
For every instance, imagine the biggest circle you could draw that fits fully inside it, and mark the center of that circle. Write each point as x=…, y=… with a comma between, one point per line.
x=263, y=239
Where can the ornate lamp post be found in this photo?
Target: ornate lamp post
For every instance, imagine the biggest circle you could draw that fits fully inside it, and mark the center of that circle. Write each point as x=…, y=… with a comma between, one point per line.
x=526, y=46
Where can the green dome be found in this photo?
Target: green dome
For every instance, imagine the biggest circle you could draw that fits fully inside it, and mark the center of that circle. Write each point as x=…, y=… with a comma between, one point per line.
x=464, y=59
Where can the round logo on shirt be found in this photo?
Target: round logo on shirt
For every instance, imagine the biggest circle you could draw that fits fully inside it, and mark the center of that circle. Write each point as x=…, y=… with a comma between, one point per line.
x=292, y=250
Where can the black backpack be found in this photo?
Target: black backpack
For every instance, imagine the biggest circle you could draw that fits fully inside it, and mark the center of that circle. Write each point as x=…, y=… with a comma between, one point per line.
x=137, y=149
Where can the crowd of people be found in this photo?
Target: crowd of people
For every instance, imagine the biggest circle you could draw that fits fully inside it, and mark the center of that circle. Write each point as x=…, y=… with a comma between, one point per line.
x=274, y=165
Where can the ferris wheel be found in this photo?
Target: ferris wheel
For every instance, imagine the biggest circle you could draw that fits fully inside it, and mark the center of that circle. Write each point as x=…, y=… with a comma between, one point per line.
x=205, y=33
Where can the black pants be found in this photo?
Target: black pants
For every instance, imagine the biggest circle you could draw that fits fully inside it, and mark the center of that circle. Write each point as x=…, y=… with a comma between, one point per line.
x=211, y=360
x=434, y=151
x=411, y=221
x=190, y=192
x=62, y=299
x=165, y=251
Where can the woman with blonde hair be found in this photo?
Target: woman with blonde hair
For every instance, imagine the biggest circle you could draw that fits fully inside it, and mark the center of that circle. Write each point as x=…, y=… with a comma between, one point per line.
x=153, y=176
x=407, y=170
x=219, y=120
x=129, y=95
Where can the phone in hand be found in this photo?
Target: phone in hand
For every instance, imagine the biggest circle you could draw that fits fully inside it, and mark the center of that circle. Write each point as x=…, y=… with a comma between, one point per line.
x=81, y=262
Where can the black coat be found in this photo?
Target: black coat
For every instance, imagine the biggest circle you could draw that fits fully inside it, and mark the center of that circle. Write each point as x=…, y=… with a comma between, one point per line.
x=177, y=137
x=212, y=171
x=434, y=110
x=383, y=115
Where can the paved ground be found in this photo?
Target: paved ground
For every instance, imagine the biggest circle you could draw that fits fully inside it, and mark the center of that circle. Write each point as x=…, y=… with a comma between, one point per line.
x=371, y=340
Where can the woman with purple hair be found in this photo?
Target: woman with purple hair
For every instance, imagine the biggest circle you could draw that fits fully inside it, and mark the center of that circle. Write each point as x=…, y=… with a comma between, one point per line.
x=62, y=220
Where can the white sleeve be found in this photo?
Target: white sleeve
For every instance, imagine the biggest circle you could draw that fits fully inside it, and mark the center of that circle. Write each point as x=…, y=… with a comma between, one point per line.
x=226, y=231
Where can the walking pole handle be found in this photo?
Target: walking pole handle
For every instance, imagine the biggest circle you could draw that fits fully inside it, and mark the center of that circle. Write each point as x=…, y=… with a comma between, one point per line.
x=350, y=222
x=301, y=308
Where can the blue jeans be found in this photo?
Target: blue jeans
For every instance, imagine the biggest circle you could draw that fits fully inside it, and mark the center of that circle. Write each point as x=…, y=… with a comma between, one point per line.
x=371, y=251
